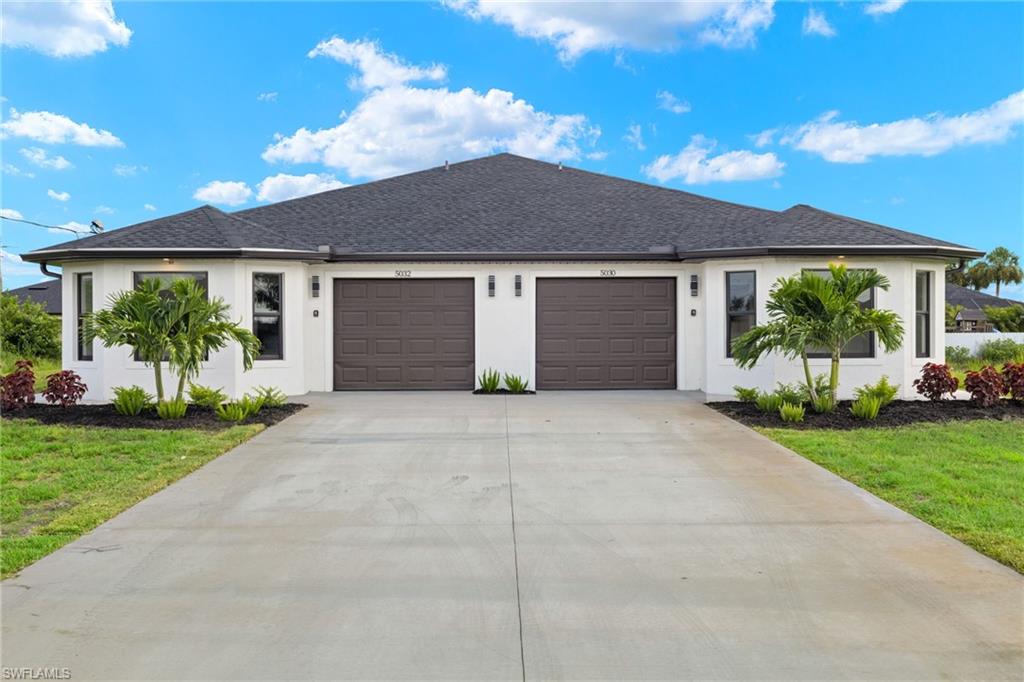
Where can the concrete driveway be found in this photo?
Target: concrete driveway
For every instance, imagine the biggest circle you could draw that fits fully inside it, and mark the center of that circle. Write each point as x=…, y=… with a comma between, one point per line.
x=614, y=535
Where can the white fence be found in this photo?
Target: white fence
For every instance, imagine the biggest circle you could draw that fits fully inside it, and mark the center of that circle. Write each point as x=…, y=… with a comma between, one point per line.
x=971, y=341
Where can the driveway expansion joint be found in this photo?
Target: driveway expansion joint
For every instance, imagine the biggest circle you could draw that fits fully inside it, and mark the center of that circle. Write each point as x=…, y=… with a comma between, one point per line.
x=515, y=545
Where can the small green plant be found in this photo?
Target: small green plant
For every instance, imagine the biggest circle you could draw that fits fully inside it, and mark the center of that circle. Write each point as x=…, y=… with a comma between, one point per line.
x=489, y=381
x=820, y=386
x=791, y=393
x=958, y=355
x=768, y=402
x=239, y=410
x=204, y=396
x=515, y=383
x=999, y=351
x=171, y=409
x=824, y=403
x=270, y=395
x=745, y=395
x=131, y=400
x=866, y=407
x=883, y=390
x=791, y=413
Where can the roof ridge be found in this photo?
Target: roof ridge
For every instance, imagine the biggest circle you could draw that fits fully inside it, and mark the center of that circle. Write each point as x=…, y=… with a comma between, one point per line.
x=896, y=233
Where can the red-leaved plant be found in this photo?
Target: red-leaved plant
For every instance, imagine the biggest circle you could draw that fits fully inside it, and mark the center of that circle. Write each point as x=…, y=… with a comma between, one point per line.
x=985, y=386
x=64, y=388
x=936, y=381
x=1013, y=379
x=17, y=389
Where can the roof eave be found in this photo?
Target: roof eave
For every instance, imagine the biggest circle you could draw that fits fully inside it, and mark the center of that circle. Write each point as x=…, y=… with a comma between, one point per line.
x=834, y=251
x=71, y=255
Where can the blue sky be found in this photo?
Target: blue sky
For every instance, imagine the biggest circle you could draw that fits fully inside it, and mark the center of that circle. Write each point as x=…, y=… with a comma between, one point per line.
x=910, y=115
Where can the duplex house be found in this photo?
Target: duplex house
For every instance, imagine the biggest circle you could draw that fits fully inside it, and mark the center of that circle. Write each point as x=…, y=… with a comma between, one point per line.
x=572, y=279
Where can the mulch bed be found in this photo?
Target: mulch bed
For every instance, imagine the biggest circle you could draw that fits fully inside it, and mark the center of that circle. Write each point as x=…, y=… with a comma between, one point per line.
x=896, y=413
x=106, y=416
x=502, y=391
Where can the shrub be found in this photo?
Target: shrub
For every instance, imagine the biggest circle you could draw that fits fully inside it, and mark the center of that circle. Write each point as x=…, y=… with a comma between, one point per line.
x=240, y=410
x=269, y=396
x=791, y=413
x=985, y=386
x=936, y=381
x=18, y=388
x=999, y=351
x=958, y=355
x=489, y=381
x=515, y=383
x=824, y=403
x=768, y=402
x=745, y=395
x=882, y=390
x=1006, y=319
x=64, y=388
x=866, y=407
x=791, y=393
x=171, y=409
x=131, y=400
x=1013, y=379
x=26, y=329
x=204, y=396
x=820, y=382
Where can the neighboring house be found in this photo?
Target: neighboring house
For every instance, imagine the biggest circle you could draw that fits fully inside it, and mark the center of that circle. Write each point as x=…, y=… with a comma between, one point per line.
x=46, y=293
x=972, y=317
x=569, y=278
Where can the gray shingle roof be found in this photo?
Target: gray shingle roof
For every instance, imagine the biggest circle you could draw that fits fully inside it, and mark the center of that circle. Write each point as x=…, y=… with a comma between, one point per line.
x=504, y=204
x=975, y=300
x=45, y=293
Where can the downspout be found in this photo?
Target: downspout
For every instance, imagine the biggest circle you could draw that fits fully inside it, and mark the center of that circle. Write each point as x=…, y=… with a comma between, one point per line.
x=959, y=268
x=42, y=268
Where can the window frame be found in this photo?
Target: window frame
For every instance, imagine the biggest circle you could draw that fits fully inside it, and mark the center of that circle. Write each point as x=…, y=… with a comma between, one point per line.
x=279, y=314
x=80, y=346
x=729, y=316
x=926, y=314
x=871, y=303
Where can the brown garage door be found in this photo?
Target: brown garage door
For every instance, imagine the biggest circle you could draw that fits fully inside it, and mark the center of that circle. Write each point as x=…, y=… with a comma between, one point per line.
x=606, y=333
x=401, y=334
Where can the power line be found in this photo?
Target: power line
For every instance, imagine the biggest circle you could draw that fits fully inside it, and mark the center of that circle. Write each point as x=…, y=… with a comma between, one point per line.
x=78, y=235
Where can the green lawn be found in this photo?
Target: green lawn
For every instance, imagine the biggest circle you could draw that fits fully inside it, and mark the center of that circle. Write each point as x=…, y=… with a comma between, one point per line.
x=41, y=366
x=966, y=479
x=58, y=482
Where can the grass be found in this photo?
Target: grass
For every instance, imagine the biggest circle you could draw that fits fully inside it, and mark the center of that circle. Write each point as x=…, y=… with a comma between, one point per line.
x=42, y=367
x=59, y=482
x=966, y=479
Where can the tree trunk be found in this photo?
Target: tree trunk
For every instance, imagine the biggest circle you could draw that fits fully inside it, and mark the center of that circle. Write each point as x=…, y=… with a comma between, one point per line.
x=997, y=287
x=810, y=379
x=159, y=380
x=181, y=387
x=833, y=379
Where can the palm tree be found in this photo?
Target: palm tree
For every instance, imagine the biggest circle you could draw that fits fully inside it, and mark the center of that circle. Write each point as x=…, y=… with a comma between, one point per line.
x=201, y=326
x=1003, y=265
x=811, y=312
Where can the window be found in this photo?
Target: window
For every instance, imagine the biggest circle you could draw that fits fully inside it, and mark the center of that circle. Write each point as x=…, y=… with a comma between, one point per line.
x=83, y=306
x=862, y=346
x=266, y=314
x=740, y=305
x=165, y=283
x=923, y=314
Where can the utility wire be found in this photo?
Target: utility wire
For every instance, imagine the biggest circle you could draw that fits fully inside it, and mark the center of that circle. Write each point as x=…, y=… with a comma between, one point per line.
x=78, y=235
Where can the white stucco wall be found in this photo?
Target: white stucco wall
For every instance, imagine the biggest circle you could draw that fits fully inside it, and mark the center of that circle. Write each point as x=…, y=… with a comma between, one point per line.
x=505, y=325
x=973, y=340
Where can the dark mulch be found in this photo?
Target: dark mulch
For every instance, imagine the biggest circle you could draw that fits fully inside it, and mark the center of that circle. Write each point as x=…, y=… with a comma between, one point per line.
x=896, y=413
x=107, y=416
x=502, y=391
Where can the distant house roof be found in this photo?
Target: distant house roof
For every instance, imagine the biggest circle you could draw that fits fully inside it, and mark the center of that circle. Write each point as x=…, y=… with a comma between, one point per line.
x=46, y=293
x=497, y=208
x=975, y=300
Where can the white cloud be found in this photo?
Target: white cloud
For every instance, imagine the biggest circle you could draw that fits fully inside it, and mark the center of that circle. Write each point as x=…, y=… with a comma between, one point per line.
x=103, y=210
x=881, y=7
x=50, y=128
x=669, y=102
x=74, y=226
x=13, y=266
x=695, y=165
x=843, y=142
x=39, y=157
x=11, y=169
x=282, y=186
x=377, y=69
x=816, y=23
x=229, y=193
x=149, y=207
x=764, y=138
x=266, y=97
x=129, y=170
x=10, y=213
x=576, y=28
x=63, y=28
x=58, y=196
x=635, y=137
x=597, y=156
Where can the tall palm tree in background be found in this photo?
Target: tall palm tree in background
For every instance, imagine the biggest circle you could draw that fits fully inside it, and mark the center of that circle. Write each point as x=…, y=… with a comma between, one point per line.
x=1003, y=267
x=811, y=313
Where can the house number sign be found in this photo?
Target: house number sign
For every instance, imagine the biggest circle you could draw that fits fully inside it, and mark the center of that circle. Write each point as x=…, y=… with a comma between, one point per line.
x=607, y=273
x=403, y=273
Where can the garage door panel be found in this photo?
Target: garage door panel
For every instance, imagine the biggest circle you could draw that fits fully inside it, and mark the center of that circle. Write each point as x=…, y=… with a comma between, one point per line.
x=606, y=333
x=394, y=334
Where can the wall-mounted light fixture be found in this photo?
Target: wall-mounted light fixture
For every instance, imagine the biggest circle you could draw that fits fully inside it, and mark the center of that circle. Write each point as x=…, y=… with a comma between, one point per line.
x=490, y=286
x=168, y=260
x=694, y=285
x=314, y=286
x=519, y=285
